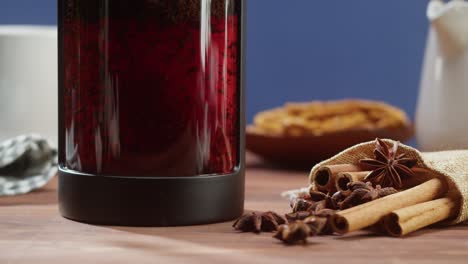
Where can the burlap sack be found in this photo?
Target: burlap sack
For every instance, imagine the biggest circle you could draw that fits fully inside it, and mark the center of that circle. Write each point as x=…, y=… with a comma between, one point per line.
x=452, y=165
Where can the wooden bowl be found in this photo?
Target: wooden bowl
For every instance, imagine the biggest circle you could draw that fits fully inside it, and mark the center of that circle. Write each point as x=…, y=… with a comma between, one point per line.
x=305, y=151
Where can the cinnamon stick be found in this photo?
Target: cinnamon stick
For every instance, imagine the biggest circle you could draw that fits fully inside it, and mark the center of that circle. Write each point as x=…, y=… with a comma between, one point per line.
x=325, y=177
x=409, y=219
x=344, y=178
x=367, y=214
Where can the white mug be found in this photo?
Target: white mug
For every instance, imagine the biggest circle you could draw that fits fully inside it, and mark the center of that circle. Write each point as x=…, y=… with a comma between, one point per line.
x=28, y=81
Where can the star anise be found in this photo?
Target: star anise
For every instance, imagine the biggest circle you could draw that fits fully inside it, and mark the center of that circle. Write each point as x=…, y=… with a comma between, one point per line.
x=325, y=207
x=293, y=233
x=259, y=221
x=326, y=216
x=311, y=202
x=303, y=205
x=297, y=216
x=298, y=231
x=389, y=167
x=293, y=197
x=364, y=192
x=322, y=200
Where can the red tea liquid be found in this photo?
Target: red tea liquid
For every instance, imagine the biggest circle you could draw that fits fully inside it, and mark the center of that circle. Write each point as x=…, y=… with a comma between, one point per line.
x=150, y=90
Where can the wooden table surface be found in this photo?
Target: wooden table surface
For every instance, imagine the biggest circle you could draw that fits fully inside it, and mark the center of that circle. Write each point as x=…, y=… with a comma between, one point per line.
x=32, y=231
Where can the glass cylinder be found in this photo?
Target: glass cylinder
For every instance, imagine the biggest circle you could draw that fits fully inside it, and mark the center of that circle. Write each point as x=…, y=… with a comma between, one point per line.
x=150, y=88
x=151, y=125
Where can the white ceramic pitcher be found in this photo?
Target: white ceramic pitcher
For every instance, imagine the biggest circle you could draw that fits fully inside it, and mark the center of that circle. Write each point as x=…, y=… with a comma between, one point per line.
x=442, y=113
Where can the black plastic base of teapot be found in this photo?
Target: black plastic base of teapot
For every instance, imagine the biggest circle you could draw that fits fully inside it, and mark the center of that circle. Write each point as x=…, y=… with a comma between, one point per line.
x=132, y=201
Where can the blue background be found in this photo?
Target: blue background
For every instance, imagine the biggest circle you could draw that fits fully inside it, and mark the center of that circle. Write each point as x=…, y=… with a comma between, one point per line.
x=300, y=50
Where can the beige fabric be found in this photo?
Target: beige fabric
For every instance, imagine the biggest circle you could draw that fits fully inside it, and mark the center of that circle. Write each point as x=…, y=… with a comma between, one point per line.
x=453, y=165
